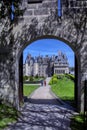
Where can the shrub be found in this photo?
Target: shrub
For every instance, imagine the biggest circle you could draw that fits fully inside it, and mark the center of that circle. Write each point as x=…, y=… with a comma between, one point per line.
x=36, y=76
x=31, y=78
x=60, y=76
x=70, y=76
x=25, y=78
x=53, y=81
x=50, y=83
x=54, y=76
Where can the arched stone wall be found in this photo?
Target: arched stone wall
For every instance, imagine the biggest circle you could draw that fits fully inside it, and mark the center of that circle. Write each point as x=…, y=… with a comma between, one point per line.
x=78, y=67
x=41, y=21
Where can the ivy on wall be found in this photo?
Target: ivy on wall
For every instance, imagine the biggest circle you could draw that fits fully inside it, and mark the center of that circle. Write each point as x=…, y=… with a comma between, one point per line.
x=9, y=8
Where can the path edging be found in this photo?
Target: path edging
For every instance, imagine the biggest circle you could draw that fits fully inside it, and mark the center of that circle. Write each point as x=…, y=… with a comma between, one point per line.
x=59, y=100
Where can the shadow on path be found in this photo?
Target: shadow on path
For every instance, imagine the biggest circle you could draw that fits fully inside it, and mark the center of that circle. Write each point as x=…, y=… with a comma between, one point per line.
x=42, y=115
x=42, y=101
x=43, y=112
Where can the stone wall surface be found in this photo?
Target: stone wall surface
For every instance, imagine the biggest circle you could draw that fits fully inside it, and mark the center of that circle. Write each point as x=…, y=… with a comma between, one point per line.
x=41, y=21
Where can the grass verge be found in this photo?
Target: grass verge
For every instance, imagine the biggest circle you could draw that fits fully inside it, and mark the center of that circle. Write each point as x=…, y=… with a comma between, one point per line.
x=78, y=123
x=28, y=89
x=64, y=89
x=8, y=114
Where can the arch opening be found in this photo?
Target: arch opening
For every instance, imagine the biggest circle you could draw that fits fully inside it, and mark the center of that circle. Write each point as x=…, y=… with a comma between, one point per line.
x=75, y=67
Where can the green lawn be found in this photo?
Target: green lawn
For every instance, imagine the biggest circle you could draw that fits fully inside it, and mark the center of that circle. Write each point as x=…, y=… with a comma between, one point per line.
x=64, y=89
x=8, y=114
x=28, y=89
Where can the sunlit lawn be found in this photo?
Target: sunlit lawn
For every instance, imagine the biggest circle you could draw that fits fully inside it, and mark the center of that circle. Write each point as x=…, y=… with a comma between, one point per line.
x=28, y=89
x=64, y=89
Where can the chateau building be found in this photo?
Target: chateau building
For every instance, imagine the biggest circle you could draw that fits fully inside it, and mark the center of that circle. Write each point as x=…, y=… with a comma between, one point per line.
x=61, y=64
x=46, y=66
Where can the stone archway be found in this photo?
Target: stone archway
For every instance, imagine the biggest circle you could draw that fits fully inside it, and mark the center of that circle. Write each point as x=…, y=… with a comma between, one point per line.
x=77, y=68
x=41, y=21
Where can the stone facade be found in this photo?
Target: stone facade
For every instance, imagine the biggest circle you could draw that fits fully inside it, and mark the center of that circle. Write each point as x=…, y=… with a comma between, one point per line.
x=61, y=65
x=39, y=21
x=46, y=66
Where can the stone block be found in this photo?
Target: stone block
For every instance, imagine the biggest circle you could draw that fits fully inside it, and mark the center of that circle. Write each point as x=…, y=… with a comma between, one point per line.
x=48, y=5
x=41, y=12
x=28, y=12
x=32, y=6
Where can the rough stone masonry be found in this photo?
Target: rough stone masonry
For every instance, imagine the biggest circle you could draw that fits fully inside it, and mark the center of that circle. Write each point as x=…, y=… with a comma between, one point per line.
x=40, y=20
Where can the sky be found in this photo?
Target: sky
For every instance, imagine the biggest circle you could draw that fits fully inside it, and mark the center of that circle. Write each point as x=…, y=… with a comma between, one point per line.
x=49, y=47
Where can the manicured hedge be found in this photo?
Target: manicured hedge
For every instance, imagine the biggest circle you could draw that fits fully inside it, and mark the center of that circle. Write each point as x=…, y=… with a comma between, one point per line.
x=54, y=76
x=60, y=76
x=32, y=82
x=53, y=80
x=70, y=76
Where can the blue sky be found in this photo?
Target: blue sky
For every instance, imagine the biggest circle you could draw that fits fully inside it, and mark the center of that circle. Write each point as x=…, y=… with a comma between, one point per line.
x=49, y=47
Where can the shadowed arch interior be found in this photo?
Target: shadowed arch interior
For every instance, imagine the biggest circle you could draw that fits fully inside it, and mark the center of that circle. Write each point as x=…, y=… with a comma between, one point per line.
x=77, y=67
